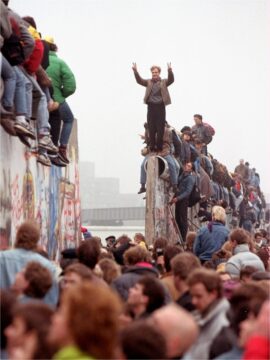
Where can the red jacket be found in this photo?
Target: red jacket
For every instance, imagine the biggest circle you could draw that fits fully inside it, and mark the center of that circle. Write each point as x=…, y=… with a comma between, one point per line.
x=32, y=64
x=258, y=347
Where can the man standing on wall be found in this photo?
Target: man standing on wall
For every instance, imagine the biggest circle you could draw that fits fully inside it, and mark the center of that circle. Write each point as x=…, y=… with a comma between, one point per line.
x=156, y=97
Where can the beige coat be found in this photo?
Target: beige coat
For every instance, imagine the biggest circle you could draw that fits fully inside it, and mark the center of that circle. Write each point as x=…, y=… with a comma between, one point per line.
x=164, y=83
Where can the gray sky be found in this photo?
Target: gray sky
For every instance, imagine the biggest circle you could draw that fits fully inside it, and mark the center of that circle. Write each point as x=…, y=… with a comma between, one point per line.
x=220, y=55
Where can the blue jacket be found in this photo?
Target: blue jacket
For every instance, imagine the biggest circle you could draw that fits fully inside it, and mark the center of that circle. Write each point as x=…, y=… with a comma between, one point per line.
x=186, y=184
x=14, y=260
x=210, y=239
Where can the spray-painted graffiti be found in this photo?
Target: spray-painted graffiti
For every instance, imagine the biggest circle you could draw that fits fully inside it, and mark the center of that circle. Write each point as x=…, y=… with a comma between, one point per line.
x=49, y=196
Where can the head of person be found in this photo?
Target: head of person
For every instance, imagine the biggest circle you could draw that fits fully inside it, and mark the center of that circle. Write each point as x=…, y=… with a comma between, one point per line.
x=205, y=287
x=182, y=265
x=190, y=238
x=219, y=214
x=31, y=320
x=239, y=237
x=246, y=299
x=246, y=273
x=135, y=255
x=27, y=236
x=188, y=167
x=30, y=20
x=7, y=301
x=35, y=280
x=51, y=42
x=186, y=133
x=169, y=253
x=138, y=237
x=123, y=240
x=258, y=237
x=110, y=270
x=155, y=71
x=76, y=274
x=241, y=161
x=88, y=317
x=177, y=326
x=159, y=246
x=198, y=144
x=225, y=276
x=88, y=252
x=142, y=340
x=110, y=241
x=147, y=295
x=198, y=119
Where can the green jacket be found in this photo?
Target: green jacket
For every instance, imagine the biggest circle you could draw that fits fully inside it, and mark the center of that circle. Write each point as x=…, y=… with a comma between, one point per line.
x=71, y=353
x=63, y=79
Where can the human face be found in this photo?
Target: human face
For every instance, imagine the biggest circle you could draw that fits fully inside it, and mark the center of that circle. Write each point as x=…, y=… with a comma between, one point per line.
x=225, y=277
x=188, y=167
x=201, y=298
x=20, y=284
x=135, y=295
x=71, y=279
x=186, y=137
x=197, y=120
x=155, y=73
x=16, y=333
x=59, y=333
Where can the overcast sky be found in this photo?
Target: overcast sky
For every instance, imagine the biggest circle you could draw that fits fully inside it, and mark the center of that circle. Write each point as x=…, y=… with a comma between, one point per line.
x=220, y=55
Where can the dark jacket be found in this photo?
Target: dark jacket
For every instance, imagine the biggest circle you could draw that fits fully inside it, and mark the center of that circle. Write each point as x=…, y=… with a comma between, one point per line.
x=201, y=132
x=186, y=184
x=210, y=239
x=164, y=83
x=124, y=282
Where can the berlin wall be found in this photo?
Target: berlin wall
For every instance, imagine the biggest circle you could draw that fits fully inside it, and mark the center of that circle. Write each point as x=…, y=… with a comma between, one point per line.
x=48, y=195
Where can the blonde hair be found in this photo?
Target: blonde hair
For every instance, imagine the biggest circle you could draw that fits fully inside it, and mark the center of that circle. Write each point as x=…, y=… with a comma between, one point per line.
x=219, y=214
x=155, y=67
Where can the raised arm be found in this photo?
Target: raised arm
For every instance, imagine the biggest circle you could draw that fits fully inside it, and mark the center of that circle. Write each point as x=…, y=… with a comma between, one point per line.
x=170, y=79
x=139, y=80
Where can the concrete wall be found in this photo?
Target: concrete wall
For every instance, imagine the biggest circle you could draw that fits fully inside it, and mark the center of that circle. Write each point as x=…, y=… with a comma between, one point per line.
x=29, y=190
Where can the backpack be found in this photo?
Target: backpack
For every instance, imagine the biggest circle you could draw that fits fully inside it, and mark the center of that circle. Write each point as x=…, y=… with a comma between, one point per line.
x=195, y=195
x=210, y=129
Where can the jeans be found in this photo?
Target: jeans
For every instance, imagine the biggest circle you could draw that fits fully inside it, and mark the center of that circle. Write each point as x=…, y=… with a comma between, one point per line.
x=23, y=88
x=67, y=117
x=40, y=107
x=9, y=77
x=181, y=212
x=173, y=170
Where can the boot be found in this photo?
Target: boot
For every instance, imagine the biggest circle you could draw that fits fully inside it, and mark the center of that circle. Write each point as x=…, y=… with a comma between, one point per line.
x=63, y=154
x=142, y=189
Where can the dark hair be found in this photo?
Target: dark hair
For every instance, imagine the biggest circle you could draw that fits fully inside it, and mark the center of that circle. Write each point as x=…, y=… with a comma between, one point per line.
x=241, y=236
x=154, y=290
x=198, y=116
x=37, y=317
x=39, y=278
x=247, y=271
x=183, y=263
x=209, y=278
x=52, y=47
x=30, y=20
x=8, y=301
x=27, y=236
x=88, y=252
x=141, y=340
x=169, y=253
x=159, y=243
x=80, y=269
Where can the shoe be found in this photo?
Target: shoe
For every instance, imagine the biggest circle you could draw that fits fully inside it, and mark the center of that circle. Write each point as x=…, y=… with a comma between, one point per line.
x=43, y=159
x=63, y=154
x=55, y=160
x=24, y=140
x=8, y=125
x=45, y=142
x=142, y=190
x=24, y=128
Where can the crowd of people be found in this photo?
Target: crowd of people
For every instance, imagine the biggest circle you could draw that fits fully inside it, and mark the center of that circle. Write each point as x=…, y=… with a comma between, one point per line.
x=196, y=177
x=128, y=300
x=36, y=84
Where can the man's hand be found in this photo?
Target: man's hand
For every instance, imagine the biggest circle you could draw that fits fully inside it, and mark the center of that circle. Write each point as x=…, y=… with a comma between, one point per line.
x=169, y=66
x=134, y=67
x=173, y=201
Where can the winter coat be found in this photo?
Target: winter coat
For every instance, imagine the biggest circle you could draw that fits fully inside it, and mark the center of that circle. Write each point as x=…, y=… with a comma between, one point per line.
x=206, y=187
x=164, y=83
x=210, y=239
x=63, y=79
x=127, y=280
x=33, y=62
x=201, y=132
x=210, y=325
x=241, y=258
x=186, y=184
